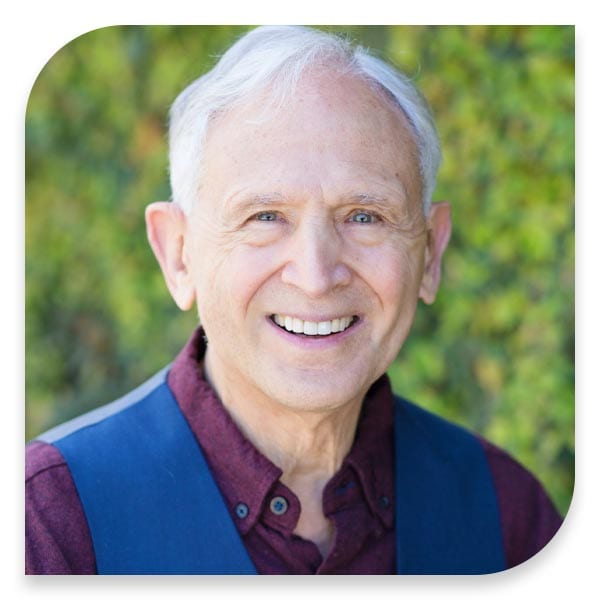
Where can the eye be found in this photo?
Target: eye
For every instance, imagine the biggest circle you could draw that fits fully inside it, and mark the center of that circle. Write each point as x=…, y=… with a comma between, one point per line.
x=266, y=216
x=363, y=218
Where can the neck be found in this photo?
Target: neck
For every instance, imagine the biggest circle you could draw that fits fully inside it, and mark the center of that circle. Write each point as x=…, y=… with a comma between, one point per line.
x=309, y=446
x=305, y=445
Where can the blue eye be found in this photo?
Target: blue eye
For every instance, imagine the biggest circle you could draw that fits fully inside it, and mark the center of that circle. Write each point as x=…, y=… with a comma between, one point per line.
x=266, y=216
x=362, y=217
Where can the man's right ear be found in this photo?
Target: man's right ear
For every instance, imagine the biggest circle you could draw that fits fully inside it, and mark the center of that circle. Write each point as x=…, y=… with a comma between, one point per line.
x=166, y=227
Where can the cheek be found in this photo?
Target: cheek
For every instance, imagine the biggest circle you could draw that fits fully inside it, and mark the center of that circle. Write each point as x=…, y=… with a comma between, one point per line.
x=233, y=278
x=394, y=274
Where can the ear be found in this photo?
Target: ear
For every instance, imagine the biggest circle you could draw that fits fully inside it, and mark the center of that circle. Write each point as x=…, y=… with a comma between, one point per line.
x=439, y=228
x=166, y=228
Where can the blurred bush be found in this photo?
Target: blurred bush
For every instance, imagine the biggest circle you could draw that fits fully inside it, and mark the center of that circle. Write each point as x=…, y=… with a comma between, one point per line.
x=496, y=350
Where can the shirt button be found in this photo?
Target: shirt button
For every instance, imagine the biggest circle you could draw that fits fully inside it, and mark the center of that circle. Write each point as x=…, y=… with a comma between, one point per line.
x=384, y=501
x=279, y=505
x=241, y=510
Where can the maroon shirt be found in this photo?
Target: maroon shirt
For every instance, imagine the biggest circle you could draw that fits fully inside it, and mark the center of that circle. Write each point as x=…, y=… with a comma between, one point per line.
x=359, y=499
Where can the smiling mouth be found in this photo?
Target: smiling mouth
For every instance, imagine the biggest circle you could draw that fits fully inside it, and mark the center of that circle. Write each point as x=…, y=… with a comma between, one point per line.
x=313, y=328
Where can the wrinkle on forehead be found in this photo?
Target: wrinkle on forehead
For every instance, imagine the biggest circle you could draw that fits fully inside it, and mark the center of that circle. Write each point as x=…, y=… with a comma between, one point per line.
x=341, y=113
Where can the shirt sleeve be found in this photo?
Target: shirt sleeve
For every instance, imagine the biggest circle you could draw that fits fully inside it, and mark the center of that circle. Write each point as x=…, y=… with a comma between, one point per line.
x=529, y=519
x=57, y=536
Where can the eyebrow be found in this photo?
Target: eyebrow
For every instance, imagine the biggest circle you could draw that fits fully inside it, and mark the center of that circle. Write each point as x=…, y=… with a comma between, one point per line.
x=369, y=200
x=252, y=202
x=382, y=203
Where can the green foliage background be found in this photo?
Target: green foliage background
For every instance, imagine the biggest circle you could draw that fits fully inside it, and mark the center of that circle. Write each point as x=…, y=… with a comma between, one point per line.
x=496, y=350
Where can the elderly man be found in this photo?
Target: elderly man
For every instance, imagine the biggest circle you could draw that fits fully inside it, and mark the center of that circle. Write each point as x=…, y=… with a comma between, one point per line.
x=302, y=229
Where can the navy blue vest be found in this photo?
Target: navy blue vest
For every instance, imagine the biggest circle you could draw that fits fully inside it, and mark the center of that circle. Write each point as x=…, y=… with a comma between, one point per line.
x=131, y=463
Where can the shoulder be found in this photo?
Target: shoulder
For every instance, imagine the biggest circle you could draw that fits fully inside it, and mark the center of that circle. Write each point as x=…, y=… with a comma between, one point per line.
x=39, y=458
x=46, y=472
x=529, y=518
x=57, y=538
x=108, y=412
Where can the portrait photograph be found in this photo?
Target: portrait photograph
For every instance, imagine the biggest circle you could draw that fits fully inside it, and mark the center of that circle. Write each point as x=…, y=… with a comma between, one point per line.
x=300, y=299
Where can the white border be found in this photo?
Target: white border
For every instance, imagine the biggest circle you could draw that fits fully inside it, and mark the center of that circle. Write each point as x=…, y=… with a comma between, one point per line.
x=35, y=31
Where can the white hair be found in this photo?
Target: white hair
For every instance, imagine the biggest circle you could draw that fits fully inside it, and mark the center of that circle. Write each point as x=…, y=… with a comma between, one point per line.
x=273, y=58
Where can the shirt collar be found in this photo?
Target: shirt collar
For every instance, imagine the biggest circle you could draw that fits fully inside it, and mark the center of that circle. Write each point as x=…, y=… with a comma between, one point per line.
x=371, y=455
x=244, y=475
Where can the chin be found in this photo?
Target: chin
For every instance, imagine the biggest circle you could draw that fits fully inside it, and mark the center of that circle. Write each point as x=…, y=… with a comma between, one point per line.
x=312, y=394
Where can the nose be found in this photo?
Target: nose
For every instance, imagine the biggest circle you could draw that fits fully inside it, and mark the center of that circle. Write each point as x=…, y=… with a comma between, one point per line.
x=315, y=260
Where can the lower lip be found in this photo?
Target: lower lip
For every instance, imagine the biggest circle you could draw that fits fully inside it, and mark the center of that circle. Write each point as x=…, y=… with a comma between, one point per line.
x=315, y=342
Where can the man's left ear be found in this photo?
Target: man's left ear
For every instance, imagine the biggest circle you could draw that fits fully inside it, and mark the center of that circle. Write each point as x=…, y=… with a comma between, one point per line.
x=439, y=228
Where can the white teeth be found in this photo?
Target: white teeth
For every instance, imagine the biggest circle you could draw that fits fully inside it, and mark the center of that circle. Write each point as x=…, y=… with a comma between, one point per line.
x=312, y=327
x=324, y=327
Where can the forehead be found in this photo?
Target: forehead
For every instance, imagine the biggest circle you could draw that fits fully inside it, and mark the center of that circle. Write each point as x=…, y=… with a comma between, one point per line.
x=333, y=128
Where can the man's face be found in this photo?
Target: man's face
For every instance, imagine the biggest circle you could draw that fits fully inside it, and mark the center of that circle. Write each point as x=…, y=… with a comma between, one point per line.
x=310, y=220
